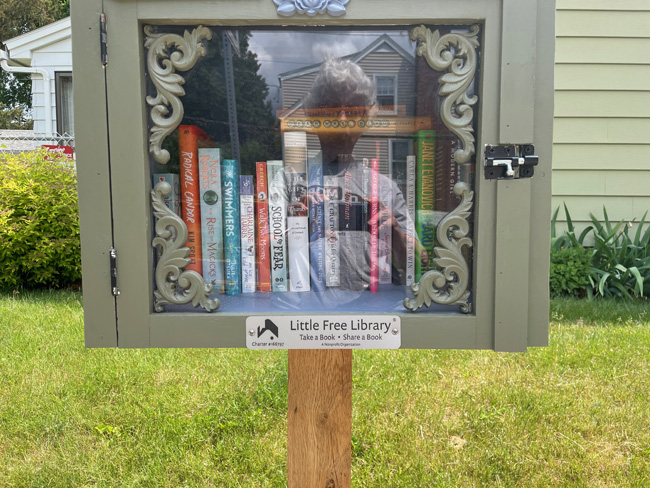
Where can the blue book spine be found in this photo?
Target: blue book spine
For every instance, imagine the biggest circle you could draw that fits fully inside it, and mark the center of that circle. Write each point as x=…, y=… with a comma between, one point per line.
x=232, y=226
x=316, y=221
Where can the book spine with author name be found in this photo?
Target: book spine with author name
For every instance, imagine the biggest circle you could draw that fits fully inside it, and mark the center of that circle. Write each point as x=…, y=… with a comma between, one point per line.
x=232, y=226
x=247, y=210
x=262, y=212
x=211, y=218
x=278, y=225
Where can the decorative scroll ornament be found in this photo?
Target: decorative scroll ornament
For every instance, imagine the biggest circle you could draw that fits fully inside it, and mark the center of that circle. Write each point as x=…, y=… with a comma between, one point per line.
x=287, y=8
x=456, y=113
x=448, y=284
x=166, y=107
x=171, y=234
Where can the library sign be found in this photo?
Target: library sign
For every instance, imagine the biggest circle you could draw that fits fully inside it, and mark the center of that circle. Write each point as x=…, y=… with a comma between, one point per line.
x=322, y=174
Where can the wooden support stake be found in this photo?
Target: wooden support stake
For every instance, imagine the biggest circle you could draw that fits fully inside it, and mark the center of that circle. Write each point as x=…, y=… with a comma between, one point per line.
x=319, y=429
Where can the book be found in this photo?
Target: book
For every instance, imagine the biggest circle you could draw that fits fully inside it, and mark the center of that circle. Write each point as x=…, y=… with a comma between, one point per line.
x=316, y=220
x=211, y=218
x=385, y=234
x=190, y=138
x=298, y=232
x=247, y=201
x=232, y=226
x=262, y=211
x=424, y=201
x=331, y=207
x=173, y=200
x=410, y=223
x=374, y=225
x=277, y=225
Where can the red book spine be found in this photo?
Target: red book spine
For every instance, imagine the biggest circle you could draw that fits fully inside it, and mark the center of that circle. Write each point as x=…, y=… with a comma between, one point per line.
x=374, y=225
x=262, y=210
x=188, y=148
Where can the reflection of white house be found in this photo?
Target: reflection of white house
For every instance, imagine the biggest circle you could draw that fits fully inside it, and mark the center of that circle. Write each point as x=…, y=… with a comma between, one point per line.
x=393, y=71
x=46, y=54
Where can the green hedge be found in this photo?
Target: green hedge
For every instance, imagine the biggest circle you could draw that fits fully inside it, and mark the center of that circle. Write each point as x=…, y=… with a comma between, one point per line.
x=39, y=221
x=570, y=271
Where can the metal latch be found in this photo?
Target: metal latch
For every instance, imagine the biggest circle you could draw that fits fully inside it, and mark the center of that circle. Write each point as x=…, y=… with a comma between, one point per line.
x=113, y=263
x=510, y=162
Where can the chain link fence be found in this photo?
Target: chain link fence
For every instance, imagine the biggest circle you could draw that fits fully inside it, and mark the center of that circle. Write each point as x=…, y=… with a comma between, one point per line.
x=16, y=141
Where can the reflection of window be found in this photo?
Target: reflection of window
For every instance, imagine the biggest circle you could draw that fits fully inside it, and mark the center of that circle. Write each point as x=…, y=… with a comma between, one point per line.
x=386, y=92
x=64, y=113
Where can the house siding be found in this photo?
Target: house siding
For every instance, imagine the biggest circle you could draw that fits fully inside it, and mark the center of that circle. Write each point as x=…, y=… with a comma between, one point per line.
x=601, y=150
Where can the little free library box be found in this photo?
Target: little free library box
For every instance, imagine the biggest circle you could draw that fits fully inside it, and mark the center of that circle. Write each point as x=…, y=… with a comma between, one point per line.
x=314, y=174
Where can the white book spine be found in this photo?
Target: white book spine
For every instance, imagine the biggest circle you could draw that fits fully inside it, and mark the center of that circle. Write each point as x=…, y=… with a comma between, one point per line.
x=298, y=237
x=247, y=200
x=277, y=225
x=410, y=222
x=211, y=218
x=332, y=260
x=385, y=234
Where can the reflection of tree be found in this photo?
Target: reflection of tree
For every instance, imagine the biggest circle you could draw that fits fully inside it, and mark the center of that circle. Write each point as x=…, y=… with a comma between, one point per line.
x=206, y=104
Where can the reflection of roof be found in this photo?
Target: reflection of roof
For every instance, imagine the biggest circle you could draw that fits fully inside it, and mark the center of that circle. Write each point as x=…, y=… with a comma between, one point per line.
x=383, y=41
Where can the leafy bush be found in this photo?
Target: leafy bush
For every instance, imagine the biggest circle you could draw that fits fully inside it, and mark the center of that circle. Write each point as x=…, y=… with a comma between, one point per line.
x=620, y=265
x=569, y=271
x=39, y=221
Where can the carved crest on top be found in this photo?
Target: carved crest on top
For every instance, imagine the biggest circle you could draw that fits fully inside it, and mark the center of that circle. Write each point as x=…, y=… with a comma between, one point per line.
x=287, y=8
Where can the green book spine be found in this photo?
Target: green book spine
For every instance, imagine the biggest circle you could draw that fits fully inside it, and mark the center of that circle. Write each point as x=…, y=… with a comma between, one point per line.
x=425, y=142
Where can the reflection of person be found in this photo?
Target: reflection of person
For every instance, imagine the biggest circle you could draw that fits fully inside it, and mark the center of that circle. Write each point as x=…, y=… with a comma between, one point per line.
x=342, y=89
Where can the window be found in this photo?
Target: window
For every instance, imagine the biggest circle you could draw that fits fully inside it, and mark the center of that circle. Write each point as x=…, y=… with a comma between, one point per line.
x=386, y=93
x=64, y=106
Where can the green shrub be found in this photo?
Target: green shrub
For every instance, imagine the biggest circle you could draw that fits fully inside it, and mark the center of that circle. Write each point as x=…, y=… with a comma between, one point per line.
x=569, y=271
x=619, y=264
x=39, y=221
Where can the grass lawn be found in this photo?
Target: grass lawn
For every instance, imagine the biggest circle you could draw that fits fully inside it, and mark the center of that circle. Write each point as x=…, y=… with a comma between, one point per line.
x=575, y=414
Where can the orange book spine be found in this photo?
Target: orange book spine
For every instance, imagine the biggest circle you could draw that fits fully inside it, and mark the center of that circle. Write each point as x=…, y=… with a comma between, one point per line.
x=188, y=148
x=262, y=211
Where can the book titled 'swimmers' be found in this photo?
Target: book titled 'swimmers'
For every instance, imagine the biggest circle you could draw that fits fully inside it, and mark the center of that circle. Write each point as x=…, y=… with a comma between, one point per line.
x=277, y=225
x=232, y=226
x=211, y=218
x=298, y=233
x=316, y=221
x=262, y=212
x=247, y=200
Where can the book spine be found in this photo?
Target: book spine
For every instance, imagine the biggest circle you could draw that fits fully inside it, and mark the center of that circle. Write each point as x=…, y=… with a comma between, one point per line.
x=298, y=233
x=332, y=259
x=247, y=201
x=211, y=218
x=277, y=225
x=232, y=226
x=385, y=233
x=262, y=210
x=191, y=213
x=316, y=222
x=410, y=223
x=374, y=225
x=173, y=201
x=424, y=201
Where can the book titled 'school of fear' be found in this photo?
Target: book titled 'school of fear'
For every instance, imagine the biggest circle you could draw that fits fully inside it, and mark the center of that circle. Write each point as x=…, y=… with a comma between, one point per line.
x=211, y=218
x=247, y=201
x=277, y=225
x=316, y=221
x=262, y=212
x=232, y=226
x=425, y=142
x=298, y=233
x=190, y=139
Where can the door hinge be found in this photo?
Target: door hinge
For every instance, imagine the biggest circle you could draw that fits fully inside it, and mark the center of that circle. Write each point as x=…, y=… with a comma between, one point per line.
x=102, y=39
x=510, y=162
x=113, y=263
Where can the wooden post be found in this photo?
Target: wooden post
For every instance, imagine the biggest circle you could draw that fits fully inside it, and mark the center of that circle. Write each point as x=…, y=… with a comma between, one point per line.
x=319, y=429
